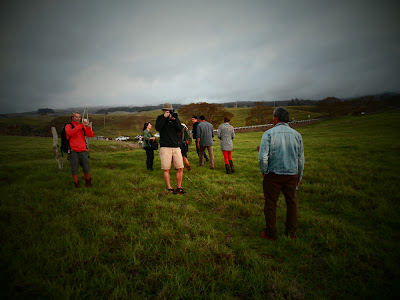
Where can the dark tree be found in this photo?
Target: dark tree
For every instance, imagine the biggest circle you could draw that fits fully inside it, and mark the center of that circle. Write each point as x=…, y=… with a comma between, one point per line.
x=43, y=111
x=260, y=114
x=214, y=113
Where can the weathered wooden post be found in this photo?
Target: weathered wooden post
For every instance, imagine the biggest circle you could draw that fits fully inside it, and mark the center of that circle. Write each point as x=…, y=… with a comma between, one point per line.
x=55, y=148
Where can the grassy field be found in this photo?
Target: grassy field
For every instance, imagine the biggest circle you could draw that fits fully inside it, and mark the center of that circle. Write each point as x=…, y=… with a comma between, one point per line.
x=125, y=238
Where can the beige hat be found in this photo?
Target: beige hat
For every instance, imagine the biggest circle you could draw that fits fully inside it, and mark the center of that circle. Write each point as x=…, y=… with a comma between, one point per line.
x=168, y=106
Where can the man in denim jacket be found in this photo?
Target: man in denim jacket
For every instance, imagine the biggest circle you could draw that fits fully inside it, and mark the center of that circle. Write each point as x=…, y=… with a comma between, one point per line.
x=281, y=161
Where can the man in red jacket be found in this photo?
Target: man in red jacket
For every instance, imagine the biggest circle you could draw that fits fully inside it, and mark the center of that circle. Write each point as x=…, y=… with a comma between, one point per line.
x=79, y=151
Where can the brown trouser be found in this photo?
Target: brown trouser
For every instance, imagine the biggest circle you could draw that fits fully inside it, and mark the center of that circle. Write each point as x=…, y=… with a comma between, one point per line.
x=210, y=154
x=273, y=184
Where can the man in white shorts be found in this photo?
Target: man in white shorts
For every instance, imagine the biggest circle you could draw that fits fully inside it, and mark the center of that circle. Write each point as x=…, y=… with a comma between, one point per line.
x=169, y=125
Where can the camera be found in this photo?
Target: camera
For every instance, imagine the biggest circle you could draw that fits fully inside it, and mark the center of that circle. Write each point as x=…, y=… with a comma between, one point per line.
x=173, y=114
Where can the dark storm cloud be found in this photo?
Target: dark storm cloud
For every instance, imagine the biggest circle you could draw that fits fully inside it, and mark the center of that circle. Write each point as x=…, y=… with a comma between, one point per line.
x=62, y=54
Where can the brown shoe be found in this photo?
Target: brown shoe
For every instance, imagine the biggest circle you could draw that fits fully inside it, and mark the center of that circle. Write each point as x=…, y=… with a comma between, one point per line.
x=264, y=236
x=186, y=162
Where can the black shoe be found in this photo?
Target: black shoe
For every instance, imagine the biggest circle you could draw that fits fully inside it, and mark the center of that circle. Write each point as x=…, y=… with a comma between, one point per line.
x=264, y=236
x=231, y=165
x=228, y=169
x=206, y=158
x=179, y=191
x=88, y=182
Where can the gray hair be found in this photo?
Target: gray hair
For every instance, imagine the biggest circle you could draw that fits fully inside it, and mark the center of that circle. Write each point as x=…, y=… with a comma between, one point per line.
x=282, y=114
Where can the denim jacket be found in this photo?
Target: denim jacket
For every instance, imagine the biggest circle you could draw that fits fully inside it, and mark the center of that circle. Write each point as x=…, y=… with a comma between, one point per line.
x=281, y=151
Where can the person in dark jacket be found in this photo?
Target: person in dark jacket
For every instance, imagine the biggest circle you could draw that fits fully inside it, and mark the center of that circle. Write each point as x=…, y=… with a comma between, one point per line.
x=169, y=126
x=79, y=154
x=147, y=136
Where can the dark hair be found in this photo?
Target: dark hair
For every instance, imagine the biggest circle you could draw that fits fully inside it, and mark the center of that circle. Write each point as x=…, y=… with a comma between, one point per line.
x=282, y=114
x=226, y=119
x=194, y=117
x=202, y=118
x=145, y=125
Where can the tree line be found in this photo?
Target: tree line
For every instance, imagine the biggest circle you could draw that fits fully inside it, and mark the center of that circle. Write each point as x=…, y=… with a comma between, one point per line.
x=260, y=112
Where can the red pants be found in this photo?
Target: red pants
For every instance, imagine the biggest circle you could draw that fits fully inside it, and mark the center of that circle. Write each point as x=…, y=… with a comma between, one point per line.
x=273, y=185
x=227, y=156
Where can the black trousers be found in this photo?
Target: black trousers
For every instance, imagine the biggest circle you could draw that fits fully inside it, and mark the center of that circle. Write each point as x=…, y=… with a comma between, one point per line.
x=150, y=157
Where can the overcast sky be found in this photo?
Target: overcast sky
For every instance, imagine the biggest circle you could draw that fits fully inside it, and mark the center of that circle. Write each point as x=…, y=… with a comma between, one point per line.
x=65, y=54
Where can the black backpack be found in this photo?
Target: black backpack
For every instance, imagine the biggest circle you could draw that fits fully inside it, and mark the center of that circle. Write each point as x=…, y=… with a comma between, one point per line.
x=64, y=141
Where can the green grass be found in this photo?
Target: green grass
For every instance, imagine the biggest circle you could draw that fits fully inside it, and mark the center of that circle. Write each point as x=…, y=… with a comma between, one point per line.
x=126, y=238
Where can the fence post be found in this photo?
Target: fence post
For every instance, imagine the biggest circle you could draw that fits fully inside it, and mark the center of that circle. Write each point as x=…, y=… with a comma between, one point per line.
x=55, y=148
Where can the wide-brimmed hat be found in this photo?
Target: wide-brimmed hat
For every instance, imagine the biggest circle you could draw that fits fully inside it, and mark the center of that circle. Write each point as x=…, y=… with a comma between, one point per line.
x=168, y=106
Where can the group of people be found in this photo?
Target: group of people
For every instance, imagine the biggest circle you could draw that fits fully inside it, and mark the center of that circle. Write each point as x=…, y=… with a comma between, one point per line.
x=280, y=158
x=175, y=138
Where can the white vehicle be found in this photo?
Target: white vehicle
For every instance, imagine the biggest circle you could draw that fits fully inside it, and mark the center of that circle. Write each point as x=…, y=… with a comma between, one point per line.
x=122, y=138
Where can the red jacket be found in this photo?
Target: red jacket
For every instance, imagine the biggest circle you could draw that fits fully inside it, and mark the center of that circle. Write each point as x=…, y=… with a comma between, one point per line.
x=76, y=136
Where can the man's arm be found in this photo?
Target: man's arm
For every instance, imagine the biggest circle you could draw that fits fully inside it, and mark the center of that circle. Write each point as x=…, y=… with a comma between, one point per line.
x=88, y=131
x=263, y=153
x=301, y=159
x=177, y=124
x=161, y=122
x=198, y=135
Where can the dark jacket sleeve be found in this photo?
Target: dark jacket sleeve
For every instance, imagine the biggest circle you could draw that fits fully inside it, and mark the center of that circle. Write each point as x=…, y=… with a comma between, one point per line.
x=178, y=125
x=161, y=122
x=194, y=130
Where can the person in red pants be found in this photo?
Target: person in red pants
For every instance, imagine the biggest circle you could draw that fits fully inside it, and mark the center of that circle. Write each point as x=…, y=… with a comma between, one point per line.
x=226, y=134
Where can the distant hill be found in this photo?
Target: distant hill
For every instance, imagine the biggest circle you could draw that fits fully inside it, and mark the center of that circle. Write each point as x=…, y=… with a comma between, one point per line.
x=110, y=121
